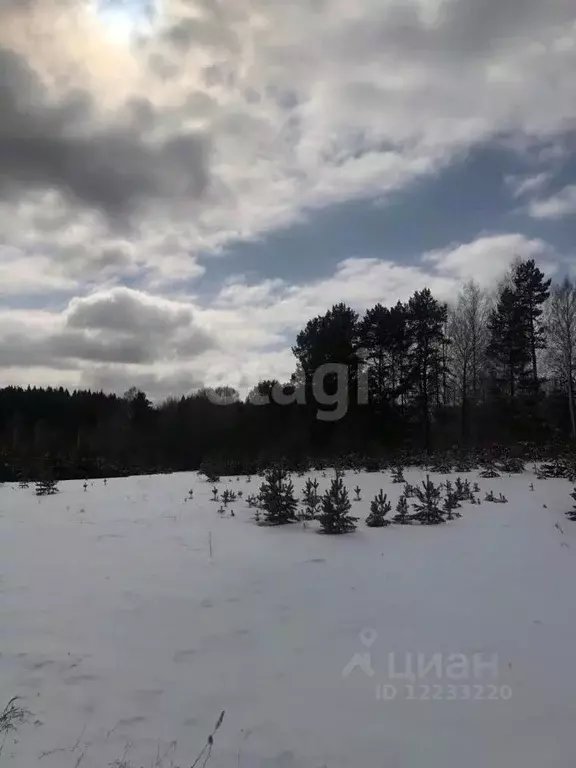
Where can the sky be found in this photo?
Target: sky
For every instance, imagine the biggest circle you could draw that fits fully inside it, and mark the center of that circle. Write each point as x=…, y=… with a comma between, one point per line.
x=183, y=184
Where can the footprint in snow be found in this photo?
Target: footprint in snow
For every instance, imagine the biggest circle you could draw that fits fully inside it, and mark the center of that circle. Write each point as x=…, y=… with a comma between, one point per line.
x=78, y=679
x=182, y=656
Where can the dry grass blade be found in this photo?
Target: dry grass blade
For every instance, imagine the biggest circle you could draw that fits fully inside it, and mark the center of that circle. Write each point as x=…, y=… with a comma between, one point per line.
x=12, y=716
x=206, y=752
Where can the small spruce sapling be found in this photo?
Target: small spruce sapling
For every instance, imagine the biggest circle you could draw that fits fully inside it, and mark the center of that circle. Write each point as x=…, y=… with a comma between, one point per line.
x=311, y=499
x=572, y=513
x=451, y=502
x=409, y=491
x=398, y=475
x=277, y=497
x=501, y=499
x=379, y=508
x=490, y=472
x=46, y=487
x=427, y=504
x=401, y=517
x=335, y=517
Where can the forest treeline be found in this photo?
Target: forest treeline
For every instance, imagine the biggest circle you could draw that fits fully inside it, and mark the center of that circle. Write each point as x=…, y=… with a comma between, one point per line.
x=493, y=368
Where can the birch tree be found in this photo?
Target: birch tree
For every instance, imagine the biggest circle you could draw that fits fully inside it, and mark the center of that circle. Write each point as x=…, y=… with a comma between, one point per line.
x=468, y=333
x=561, y=338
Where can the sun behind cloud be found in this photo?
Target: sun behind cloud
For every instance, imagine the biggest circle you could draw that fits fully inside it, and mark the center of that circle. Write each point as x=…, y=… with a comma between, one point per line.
x=126, y=19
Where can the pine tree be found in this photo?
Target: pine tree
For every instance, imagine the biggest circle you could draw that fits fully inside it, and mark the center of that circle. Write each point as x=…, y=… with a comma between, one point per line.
x=379, y=508
x=427, y=321
x=398, y=475
x=427, y=506
x=335, y=517
x=490, y=472
x=409, y=491
x=572, y=514
x=451, y=502
x=46, y=487
x=311, y=499
x=509, y=347
x=532, y=291
x=462, y=491
x=209, y=471
x=277, y=497
x=401, y=517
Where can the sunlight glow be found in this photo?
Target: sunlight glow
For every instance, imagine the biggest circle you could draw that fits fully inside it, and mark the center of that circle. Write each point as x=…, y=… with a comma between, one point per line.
x=124, y=18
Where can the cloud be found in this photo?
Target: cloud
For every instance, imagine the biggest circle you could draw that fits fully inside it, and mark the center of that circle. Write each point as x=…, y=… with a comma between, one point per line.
x=556, y=207
x=526, y=185
x=116, y=326
x=269, y=109
x=158, y=385
x=132, y=165
x=63, y=146
x=120, y=337
x=487, y=259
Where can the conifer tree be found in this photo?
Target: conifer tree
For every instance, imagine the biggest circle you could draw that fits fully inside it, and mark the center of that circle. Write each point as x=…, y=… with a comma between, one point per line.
x=379, y=508
x=427, y=504
x=277, y=497
x=311, y=499
x=335, y=517
x=427, y=321
x=398, y=475
x=451, y=502
x=46, y=487
x=509, y=345
x=401, y=517
x=572, y=514
x=532, y=291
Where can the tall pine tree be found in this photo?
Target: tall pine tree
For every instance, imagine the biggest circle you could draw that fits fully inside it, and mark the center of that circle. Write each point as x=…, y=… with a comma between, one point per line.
x=532, y=291
x=508, y=349
x=427, y=320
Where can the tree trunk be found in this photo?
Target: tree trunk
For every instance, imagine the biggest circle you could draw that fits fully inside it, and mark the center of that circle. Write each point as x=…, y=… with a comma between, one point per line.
x=464, y=411
x=571, y=394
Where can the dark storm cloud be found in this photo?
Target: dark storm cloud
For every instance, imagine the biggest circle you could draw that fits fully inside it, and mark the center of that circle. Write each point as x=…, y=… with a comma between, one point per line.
x=64, y=146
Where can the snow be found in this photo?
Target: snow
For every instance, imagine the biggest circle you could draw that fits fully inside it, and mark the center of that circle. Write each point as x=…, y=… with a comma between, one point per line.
x=126, y=639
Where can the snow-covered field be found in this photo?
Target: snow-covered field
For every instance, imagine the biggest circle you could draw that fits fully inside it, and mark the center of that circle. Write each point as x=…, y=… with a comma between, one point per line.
x=126, y=639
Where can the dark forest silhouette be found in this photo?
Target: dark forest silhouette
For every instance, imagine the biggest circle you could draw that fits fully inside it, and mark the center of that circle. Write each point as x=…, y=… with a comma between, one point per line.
x=420, y=376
